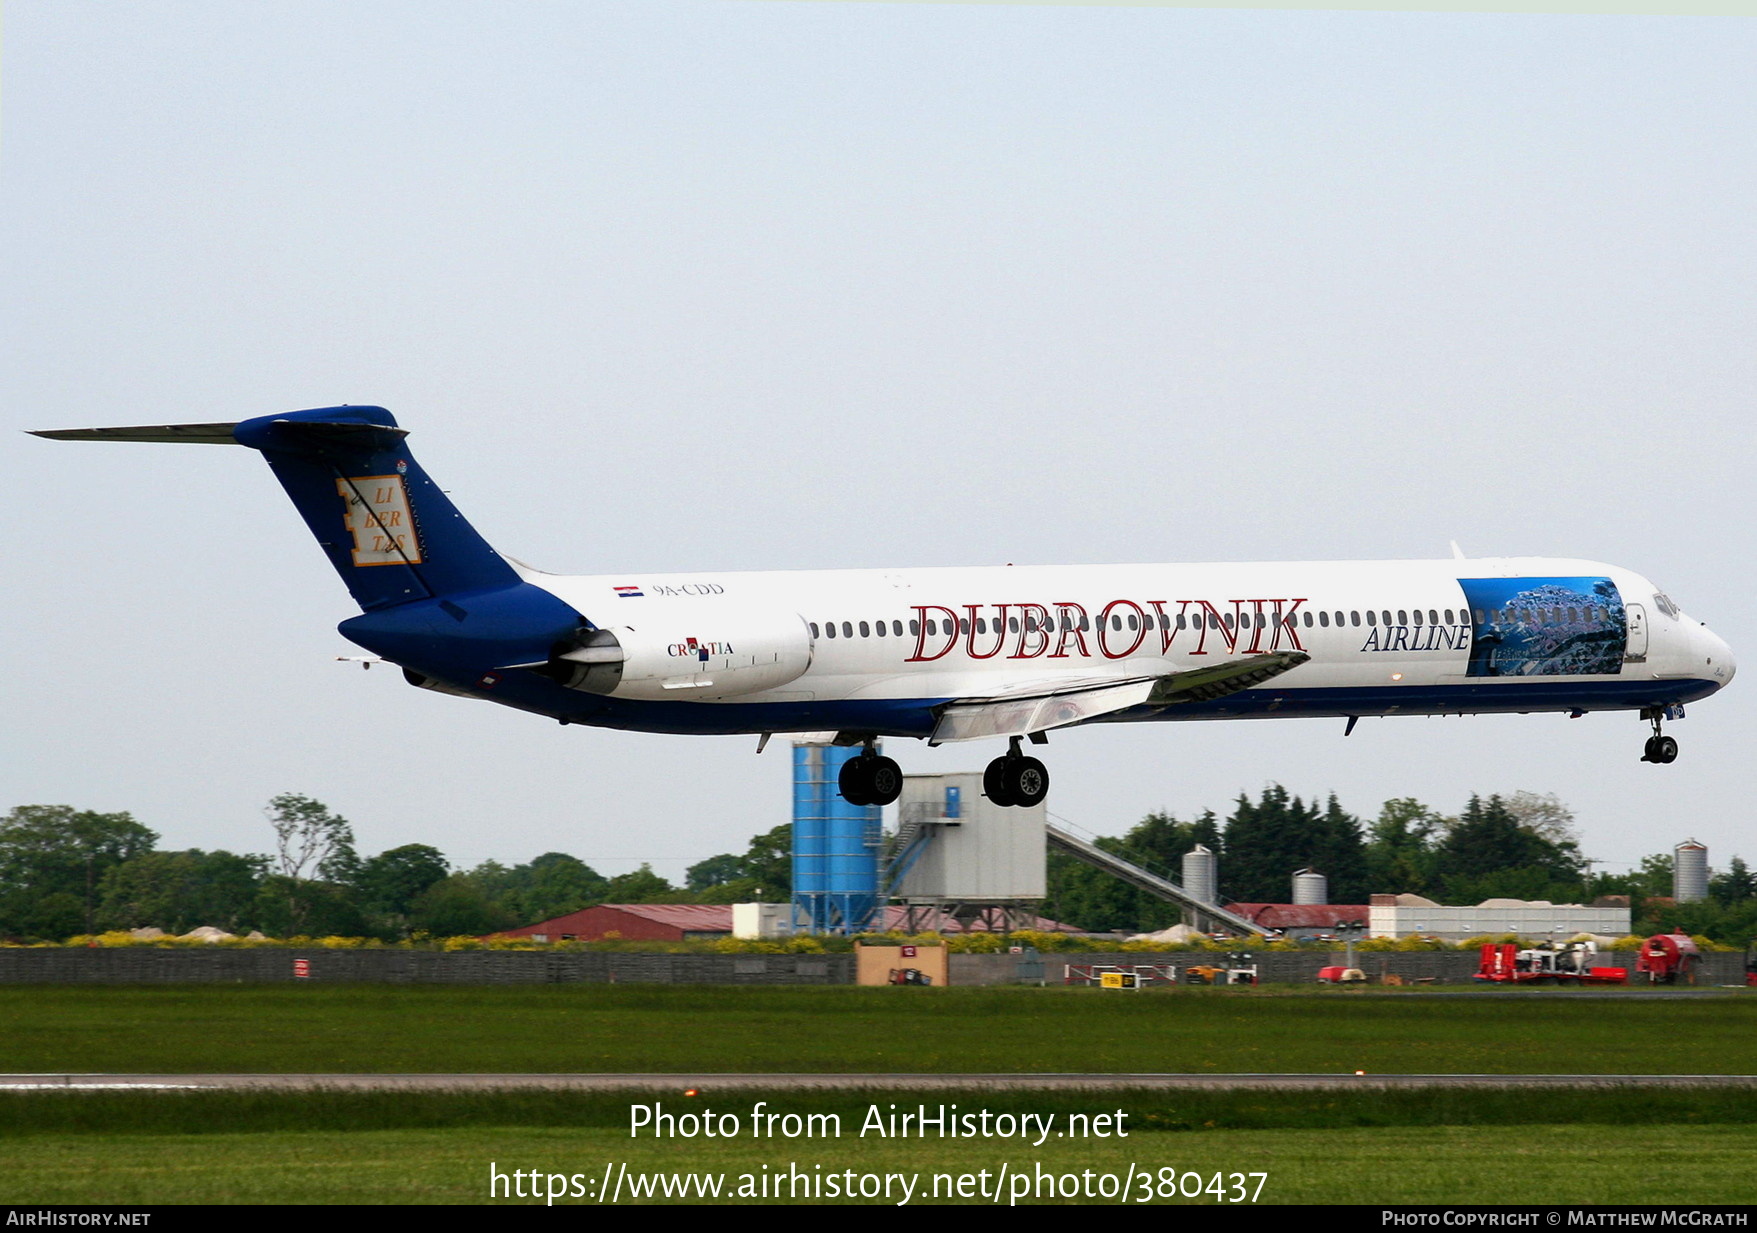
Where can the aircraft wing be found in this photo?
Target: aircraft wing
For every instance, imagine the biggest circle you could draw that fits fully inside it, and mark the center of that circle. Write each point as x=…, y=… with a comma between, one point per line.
x=1040, y=707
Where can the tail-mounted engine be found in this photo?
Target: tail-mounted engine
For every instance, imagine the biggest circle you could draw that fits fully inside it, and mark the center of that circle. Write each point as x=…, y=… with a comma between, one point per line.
x=703, y=652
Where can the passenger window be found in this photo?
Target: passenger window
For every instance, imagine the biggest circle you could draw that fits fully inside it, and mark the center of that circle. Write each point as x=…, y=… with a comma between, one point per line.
x=964, y=626
x=897, y=629
x=1417, y=616
x=1133, y=622
x=1402, y=617
x=878, y=627
x=865, y=630
x=915, y=629
x=847, y=629
x=814, y=630
x=1012, y=625
x=1308, y=620
x=1323, y=619
x=829, y=629
x=1181, y=621
x=1371, y=618
x=1434, y=617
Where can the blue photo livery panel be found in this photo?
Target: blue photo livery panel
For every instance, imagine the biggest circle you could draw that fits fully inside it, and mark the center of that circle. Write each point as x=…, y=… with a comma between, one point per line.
x=1545, y=626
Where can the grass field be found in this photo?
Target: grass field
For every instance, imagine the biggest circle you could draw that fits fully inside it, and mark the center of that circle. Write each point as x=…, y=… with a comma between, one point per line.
x=1438, y=1146
x=1410, y=1147
x=568, y=1028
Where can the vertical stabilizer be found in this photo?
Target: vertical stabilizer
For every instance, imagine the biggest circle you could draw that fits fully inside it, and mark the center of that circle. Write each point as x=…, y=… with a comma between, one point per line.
x=390, y=532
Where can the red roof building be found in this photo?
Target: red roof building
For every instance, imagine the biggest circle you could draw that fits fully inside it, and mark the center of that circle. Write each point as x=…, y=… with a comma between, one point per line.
x=679, y=922
x=646, y=922
x=1301, y=920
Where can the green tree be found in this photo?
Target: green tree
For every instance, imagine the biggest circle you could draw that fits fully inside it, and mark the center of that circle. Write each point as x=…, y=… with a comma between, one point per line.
x=291, y=907
x=391, y=881
x=1487, y=850
x=310, y=841
x=1268, y=841
x=553, y=885
x=1544, y=816
x=1737, y=885
x=457, y=906
x=641, y=886
x=1399, y=851
x=1338, y=851
x=764, y=872
x=1082, y=895
x=53, y=859
x=769, y=861
x=715, y=871
x=315, y=866
x=179, y=891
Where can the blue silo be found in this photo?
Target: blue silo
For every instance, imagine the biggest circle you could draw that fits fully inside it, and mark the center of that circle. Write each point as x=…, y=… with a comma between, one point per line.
x=835, y=845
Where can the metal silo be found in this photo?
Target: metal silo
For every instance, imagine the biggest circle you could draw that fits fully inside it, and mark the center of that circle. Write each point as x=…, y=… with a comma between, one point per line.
x=835, y=845
x=1689, y=872
x=1310, y=886
x=1202, y=874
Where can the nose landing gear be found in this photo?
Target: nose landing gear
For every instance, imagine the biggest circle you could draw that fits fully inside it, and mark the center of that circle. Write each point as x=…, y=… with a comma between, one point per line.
x=1660, y=749
x=1015, y=780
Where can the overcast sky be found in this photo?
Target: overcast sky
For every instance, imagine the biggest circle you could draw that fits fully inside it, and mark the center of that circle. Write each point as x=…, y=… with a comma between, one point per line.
x=665, y=286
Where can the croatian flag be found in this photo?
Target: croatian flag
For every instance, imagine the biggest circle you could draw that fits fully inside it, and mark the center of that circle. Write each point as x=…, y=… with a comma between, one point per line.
x=628, y=592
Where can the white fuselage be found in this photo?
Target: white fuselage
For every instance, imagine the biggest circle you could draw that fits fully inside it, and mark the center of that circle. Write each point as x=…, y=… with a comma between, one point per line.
x=1383, y=637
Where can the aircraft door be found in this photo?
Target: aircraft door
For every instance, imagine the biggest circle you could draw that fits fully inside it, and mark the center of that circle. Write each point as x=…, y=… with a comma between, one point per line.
x=1637, y=648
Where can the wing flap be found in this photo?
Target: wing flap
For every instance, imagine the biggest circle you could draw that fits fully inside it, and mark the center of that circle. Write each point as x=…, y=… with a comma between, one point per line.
x=1018, y=714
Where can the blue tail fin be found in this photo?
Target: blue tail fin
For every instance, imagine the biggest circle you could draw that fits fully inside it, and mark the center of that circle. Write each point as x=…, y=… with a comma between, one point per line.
x=390, y=532
x=436, y=597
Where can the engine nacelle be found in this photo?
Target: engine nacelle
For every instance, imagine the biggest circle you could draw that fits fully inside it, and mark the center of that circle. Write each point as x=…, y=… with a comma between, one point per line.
x=422, y=681
x=703, y=652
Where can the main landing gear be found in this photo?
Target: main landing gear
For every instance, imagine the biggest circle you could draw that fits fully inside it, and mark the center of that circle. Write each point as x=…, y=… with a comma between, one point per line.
x=1660, y=748
x=1014, y=779
x=870, y=779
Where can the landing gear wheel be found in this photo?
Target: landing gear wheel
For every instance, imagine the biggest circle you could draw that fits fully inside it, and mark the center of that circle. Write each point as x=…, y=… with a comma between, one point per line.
x=870, y=779
x=1026, y=780
x=884, y=779
x=1660, y=748
x=852, y=782
x=994, y=785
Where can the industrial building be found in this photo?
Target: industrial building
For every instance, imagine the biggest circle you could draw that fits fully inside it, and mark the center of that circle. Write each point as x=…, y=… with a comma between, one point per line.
x=1396, y=916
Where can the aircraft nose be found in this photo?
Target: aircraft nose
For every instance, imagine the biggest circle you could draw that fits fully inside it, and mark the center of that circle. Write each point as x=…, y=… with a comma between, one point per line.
x=1722, y=667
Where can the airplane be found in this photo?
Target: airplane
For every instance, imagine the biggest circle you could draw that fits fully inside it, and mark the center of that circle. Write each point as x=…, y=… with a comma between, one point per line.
x=993, y=652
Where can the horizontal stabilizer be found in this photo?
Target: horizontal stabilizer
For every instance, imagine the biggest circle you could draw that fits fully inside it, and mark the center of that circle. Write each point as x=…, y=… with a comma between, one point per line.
x=1039, y=708
x=193, y=434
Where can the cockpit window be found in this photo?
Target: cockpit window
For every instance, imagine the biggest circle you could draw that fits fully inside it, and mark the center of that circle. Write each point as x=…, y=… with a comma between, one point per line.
x=1664, y=603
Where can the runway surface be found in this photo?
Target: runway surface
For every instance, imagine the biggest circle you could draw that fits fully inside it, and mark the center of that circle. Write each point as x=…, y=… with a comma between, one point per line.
x=799, y=1082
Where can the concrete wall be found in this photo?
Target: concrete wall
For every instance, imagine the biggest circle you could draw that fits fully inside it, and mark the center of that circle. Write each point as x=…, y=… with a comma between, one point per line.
x=141, y=964
x=146, y=965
